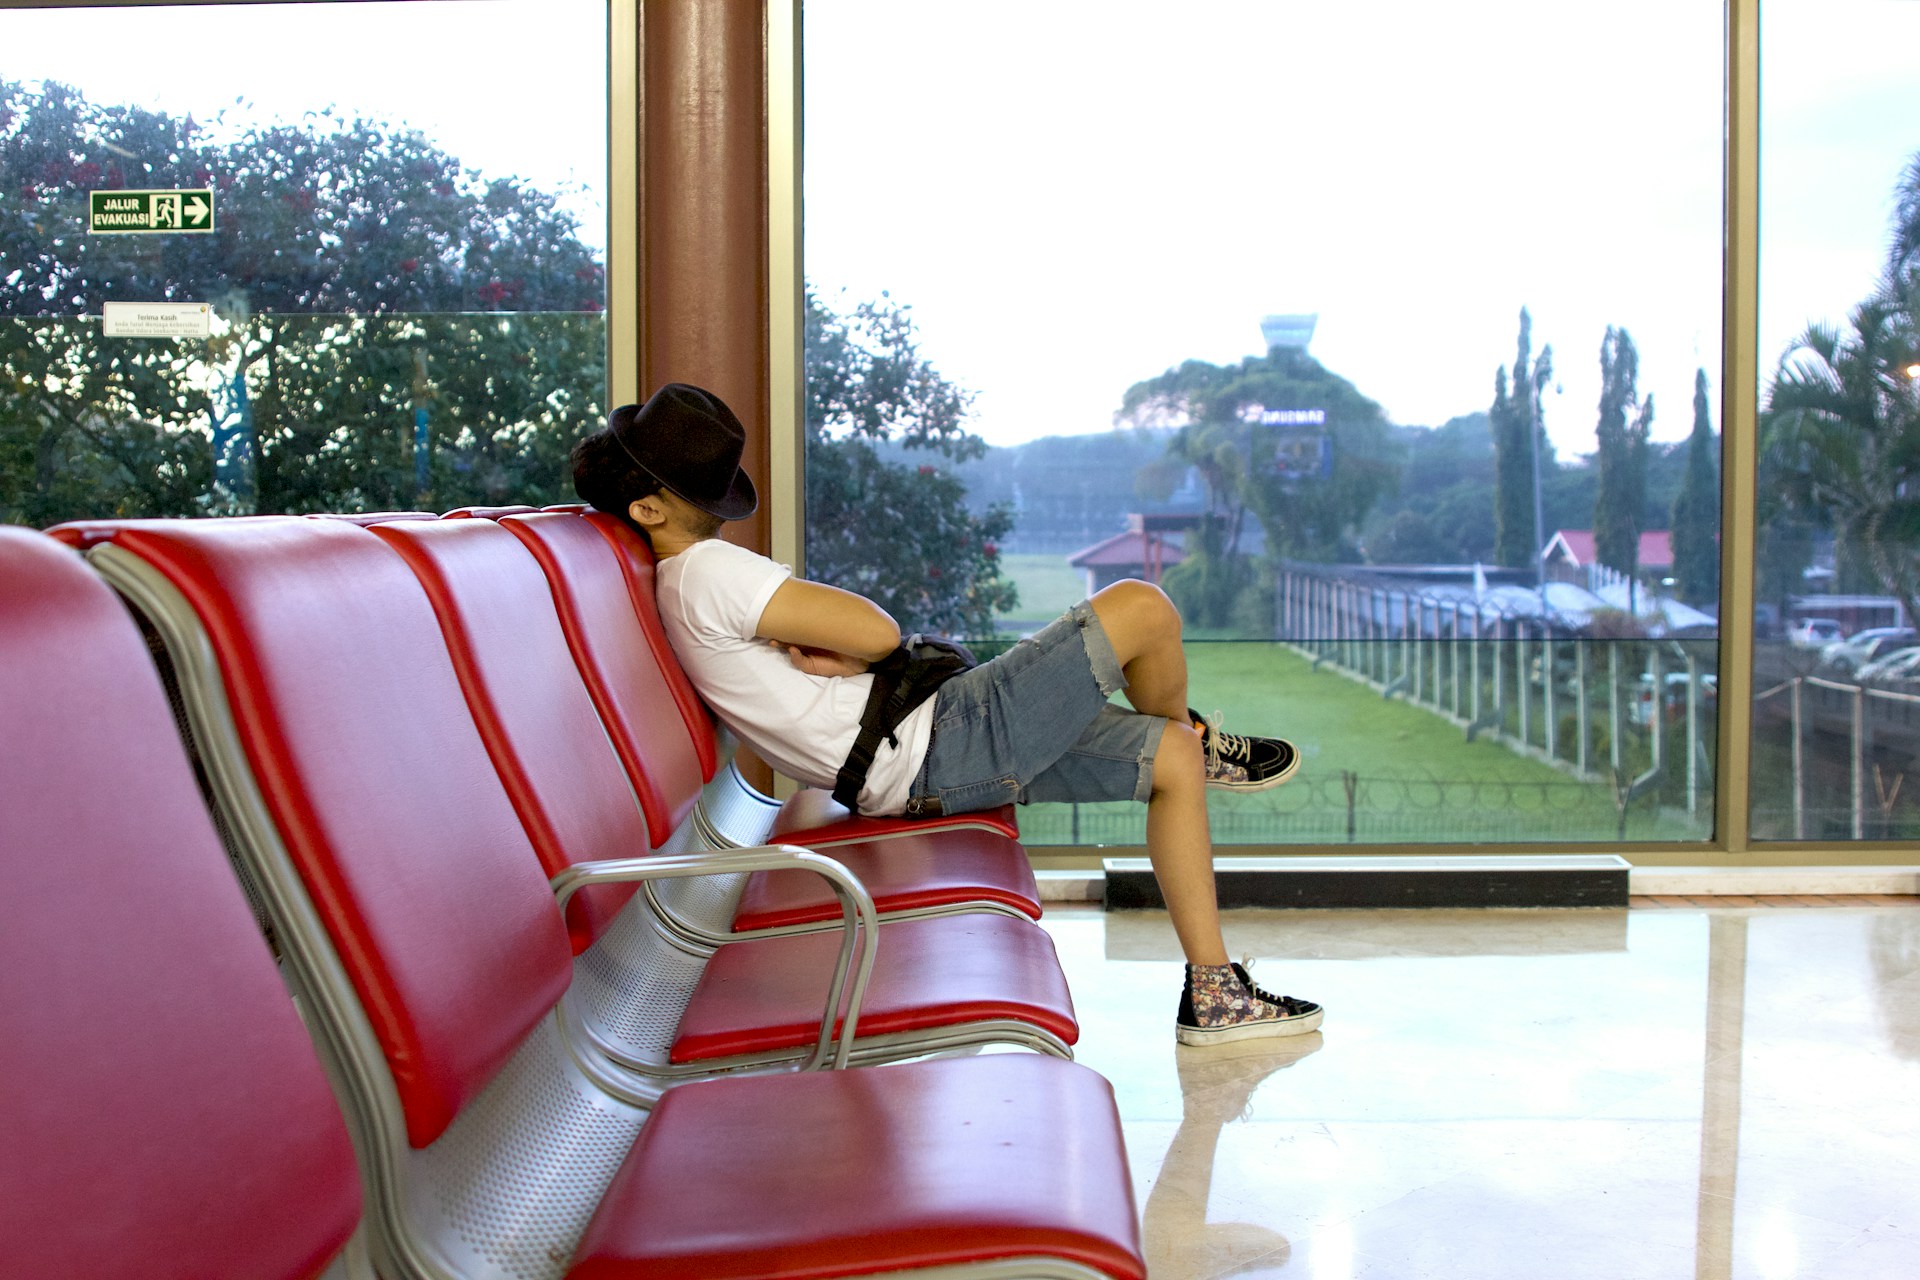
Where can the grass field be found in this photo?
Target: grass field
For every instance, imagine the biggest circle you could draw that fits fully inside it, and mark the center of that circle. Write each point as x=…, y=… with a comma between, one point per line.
x=1048, y=586
x=1415, y=778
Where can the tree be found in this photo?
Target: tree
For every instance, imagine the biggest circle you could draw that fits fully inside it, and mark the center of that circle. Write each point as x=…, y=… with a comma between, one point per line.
x=1443, y=512
x=899, y=534
x=1696, y=511
x=1903, y=253
x=1840, y=433
x=363, y=280
x=1619, y=506
x=1841, y=443
x=1309, y=478
x=1279, y=437
x=1521, y=449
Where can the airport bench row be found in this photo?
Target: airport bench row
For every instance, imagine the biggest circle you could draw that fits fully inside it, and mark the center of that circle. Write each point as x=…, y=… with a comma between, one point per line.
x=558, y=1007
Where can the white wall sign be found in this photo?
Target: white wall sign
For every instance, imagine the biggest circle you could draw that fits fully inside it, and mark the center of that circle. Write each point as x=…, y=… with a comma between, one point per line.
x=156, y=319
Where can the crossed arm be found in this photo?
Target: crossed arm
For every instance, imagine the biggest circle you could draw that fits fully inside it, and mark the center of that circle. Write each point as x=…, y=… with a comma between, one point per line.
x=827, y=631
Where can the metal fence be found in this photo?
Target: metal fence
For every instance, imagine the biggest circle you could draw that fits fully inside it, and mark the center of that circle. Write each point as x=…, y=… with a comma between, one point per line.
x=1579, y=703
x=1849, y=748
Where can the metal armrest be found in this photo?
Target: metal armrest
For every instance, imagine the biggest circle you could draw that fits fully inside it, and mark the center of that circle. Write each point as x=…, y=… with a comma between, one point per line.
x=859, y=919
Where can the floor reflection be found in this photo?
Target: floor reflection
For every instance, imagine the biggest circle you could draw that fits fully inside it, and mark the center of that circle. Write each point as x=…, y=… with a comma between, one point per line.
x=1720, y=1094
x=1217, y=1085
x=1724, y=1093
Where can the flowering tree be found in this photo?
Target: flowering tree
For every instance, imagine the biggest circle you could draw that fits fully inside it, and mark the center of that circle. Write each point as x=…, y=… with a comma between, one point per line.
x=367, y=355
x=899, y=534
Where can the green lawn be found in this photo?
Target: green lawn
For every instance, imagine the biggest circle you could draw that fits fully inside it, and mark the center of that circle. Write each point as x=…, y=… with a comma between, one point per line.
x=1416, y=779
x=1048, y=586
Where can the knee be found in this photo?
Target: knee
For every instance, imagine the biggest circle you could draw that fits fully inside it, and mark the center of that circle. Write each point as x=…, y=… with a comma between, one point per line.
x=1180, y=761
x=1137, y=608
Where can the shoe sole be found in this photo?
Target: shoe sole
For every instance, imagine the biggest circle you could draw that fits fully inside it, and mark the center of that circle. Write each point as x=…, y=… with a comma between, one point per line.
x=1250, y=1030
x=1264, y=784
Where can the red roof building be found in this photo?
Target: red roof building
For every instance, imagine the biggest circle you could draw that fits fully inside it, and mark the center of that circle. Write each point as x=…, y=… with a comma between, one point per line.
x=1143, y=551
x=1569, y=552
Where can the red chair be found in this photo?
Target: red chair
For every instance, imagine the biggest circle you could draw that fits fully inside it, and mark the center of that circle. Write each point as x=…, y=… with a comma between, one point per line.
x=162, y=1101
x=421, y=935
x=937, y=983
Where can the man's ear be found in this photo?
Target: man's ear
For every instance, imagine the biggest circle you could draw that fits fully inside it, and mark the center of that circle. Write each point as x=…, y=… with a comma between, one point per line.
x=648, y=512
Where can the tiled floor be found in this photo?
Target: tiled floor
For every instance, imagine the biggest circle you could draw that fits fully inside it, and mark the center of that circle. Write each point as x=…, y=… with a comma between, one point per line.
x=1671, y=1091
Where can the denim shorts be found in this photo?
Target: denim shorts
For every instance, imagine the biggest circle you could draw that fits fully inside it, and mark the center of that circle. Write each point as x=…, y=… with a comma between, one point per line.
x=1034, y=725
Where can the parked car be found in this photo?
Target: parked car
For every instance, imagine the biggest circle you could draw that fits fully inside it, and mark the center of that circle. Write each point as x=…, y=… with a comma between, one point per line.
x=1901, y=667
x=1814, y=633
x=1641, y=711
x=1846, y=657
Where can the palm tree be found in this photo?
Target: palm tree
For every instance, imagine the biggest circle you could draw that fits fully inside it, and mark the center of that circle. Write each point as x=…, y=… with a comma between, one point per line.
x=1841, y=436
x=1903, y=252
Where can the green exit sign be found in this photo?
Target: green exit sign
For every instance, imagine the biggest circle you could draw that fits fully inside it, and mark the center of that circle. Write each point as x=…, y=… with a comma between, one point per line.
x=121, y=213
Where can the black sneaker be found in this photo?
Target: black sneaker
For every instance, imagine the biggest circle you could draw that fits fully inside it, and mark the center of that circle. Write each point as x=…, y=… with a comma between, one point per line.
x=1238, y=762
x=1262, y=1014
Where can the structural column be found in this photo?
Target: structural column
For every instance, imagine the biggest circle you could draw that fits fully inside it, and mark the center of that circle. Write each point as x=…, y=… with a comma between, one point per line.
x=699, y=305
x=703, y=275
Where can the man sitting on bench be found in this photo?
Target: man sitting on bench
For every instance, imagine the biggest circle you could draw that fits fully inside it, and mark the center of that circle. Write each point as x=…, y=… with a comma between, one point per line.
x=786, y=664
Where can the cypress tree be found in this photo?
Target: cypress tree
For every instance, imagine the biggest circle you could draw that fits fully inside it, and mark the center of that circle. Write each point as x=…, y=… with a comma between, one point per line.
x=1696, y=511
x=1621, y=497
x=1515, y=422
x=1507, y=544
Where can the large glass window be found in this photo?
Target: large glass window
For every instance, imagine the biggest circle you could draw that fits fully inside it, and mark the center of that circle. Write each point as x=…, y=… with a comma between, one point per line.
x=285, y=258
x=1383, y=336
x=1836, y=715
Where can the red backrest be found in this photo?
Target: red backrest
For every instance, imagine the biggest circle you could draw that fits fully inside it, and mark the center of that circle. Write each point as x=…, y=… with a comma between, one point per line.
x=82, y=534
x=534, y=715
x=629, y=688
x=161, y=1103
x=487, y=513
x=356, y=730
x=371, y=517
x=637, y=566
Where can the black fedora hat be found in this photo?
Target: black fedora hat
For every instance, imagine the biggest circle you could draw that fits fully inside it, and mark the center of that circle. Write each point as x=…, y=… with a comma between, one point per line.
x=687, y=439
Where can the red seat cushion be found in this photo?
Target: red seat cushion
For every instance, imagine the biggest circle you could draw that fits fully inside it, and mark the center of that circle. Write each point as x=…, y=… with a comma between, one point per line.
x=903, y=873
x=768, y=993
x=161, y=1099
x=814, y=817
x=838, y=1173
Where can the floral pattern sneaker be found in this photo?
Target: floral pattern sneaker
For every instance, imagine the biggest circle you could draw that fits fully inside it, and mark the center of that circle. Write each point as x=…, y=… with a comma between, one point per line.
x=1221, y=1004
x=1241, y=762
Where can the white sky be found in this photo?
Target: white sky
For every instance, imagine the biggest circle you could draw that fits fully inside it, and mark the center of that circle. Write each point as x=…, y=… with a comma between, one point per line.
x=1076, y=195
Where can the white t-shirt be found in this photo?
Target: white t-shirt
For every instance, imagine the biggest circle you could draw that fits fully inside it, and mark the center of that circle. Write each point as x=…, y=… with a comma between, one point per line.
x=711, y=597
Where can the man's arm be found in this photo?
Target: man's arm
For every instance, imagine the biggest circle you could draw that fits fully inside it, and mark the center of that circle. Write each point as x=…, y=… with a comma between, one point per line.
x=813, y=616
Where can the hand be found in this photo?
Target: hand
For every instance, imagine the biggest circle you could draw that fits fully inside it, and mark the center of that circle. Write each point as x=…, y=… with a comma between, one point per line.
x=822, y=662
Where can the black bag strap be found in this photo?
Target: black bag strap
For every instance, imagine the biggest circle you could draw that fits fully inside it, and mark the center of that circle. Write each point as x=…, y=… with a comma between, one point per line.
x=902, y=681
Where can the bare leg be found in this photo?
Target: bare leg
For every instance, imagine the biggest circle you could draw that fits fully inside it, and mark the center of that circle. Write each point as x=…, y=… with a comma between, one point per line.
x=1179, y=845
x=1144, y=629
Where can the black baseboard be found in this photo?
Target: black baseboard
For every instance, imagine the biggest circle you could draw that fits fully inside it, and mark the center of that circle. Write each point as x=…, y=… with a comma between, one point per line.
x=1574, y=880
